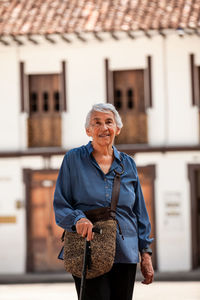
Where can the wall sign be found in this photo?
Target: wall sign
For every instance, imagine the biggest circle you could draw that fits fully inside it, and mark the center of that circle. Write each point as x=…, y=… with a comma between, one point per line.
x=172, y=211
x=7, y=219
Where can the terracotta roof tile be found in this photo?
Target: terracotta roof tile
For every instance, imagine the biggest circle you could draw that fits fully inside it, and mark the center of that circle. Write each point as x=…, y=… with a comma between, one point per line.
x=21, y=17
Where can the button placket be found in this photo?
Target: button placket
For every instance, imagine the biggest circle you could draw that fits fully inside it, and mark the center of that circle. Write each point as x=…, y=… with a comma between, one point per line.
x=108, y=190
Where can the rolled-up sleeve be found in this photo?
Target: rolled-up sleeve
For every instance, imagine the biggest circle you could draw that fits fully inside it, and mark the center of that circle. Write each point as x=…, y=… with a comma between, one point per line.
x=144, y=226
x=65, y=215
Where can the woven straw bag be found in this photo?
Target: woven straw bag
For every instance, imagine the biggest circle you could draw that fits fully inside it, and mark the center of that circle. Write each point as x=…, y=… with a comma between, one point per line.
x=102, y=250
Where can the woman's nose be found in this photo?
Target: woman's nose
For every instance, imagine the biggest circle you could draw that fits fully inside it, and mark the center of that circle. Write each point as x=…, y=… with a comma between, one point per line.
x=104, y=126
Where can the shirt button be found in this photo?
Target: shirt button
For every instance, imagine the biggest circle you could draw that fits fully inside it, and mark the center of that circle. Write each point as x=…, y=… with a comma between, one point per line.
x=106, y=186
x=105, y=179
x=107, y=195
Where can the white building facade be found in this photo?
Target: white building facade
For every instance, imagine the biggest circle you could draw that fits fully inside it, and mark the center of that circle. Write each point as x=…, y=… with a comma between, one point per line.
x=171, y=149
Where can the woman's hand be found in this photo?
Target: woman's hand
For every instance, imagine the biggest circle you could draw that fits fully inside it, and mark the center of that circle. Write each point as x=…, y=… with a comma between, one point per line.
x=147, y=268
x=84, y=228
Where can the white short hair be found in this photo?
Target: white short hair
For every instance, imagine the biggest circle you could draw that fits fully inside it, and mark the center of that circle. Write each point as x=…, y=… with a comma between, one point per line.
x=104, y=107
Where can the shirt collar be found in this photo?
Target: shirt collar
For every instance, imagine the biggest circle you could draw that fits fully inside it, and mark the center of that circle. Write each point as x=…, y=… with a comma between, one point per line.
x=90, y=148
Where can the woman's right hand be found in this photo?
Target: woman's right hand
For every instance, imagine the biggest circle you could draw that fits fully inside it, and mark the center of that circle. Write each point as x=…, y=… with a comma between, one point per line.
x=84, y=228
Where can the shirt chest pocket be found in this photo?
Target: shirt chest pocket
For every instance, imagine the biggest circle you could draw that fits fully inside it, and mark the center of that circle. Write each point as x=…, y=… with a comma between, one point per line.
x=127, y=194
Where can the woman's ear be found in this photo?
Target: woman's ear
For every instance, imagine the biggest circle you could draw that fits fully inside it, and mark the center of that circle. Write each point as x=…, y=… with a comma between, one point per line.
x=118, y=131
x=88, y=132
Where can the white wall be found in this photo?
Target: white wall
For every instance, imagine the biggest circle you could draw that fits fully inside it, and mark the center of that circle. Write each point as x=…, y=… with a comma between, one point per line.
x=86, y=79
x=9, y=100
x=12, y=235
x=183, y=120
x=172, y=120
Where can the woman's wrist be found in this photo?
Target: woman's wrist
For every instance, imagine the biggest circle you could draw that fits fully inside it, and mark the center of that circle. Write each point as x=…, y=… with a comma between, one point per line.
x=83, y=220
x=145, y=256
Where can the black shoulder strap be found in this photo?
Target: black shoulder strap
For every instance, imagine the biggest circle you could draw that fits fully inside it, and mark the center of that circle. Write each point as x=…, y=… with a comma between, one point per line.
x=115, y=192
x=116, y=189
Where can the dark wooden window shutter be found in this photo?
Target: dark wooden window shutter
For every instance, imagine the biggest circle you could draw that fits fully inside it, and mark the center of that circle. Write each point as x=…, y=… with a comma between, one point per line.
x=21, y=70
x=109, y=83
x=130, y=102
x=195, y=82
x=22, y=86
x=44, y=121
x=148, y=83
x=63, y=87
x=24, y=106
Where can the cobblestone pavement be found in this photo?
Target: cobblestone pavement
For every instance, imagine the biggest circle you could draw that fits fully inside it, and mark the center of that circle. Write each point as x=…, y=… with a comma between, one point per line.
x=156, y=291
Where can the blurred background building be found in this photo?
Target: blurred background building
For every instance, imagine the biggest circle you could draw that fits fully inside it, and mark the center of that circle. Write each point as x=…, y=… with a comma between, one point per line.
x=59, y=57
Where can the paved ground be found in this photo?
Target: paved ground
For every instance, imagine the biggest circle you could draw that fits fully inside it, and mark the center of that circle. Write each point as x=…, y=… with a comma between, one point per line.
x=51, y=291
x=64, y=277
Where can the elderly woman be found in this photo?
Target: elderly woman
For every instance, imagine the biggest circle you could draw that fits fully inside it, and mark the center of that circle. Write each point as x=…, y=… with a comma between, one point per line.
x=85, y=182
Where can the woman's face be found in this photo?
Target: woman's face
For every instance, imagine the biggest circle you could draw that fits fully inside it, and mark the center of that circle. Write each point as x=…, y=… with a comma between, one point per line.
x=102, y=128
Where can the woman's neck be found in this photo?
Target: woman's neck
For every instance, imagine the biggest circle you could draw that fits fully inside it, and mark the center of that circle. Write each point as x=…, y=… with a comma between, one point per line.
x=106, y=150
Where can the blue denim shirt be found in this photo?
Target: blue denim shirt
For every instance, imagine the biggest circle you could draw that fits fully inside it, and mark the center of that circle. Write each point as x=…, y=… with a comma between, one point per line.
x=82, y=185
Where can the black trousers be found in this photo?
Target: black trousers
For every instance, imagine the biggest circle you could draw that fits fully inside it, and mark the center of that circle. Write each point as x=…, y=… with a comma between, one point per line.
x=117, y=284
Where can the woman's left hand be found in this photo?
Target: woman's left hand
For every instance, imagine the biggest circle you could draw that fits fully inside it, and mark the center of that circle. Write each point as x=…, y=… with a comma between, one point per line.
x=147, y=268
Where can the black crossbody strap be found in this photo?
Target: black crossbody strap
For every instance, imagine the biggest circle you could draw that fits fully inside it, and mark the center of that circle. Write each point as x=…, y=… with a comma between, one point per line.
x=115, y=192
x=116, y=188
x=115, y=197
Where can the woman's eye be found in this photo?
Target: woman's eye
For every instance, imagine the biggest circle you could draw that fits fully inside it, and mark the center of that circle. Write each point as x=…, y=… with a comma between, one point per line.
x=97, y=124
x=109, y=122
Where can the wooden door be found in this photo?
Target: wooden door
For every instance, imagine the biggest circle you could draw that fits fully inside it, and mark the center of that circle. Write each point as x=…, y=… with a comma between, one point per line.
x=194, y=178
x=197, y=216
x=129, y=101
x=44, y=123
x=43, y=234
x=147, y=177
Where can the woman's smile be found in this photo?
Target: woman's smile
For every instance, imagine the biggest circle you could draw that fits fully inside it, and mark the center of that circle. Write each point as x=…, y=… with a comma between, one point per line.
x=104, y=135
